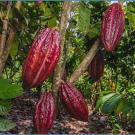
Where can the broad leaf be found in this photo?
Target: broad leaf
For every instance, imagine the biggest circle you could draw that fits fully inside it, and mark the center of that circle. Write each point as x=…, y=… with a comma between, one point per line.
x=9, y=91
x=84, y=19
x=131, y=14
x=12, y=91
x=111, y=104
x=6, y=125
x=4, y=107
x=4, y=84
x=103, y=99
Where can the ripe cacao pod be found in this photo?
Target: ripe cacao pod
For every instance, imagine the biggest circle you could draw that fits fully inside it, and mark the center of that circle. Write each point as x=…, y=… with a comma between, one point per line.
x=42, y=58
x=44, y=113
x=112, y=26
x=73, y=101
x=96, y=67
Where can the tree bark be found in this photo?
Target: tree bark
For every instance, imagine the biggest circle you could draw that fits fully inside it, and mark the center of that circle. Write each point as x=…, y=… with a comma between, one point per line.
x=6, y=43
x=65, y=16
x=85, y=63
x=4, y=35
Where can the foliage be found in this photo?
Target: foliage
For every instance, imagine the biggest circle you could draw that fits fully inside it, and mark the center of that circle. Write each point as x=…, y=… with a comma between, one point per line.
x=116, y=91
x=8, y=91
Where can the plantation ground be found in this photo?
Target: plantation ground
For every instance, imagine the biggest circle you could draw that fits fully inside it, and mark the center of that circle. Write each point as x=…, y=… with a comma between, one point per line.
x=23, y=110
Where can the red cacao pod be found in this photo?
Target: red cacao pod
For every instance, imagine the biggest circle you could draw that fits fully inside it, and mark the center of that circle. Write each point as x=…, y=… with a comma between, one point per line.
x=44, y=113
x=96, y=67
x=42, y=57
x=112, y=26
x=73, y=101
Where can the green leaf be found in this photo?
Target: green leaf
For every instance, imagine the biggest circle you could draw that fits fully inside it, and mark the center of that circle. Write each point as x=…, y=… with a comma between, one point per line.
x=111, y=104
x=6, y=125
x=132, y=115
x=4, y=84
x=12, y=91
x=102, y=99
x=4, y=107
x=131, y=14
x=9, y=91
x=14, y=48
x=127, y=108
x=84, y=19
x=120, y=106
x=52, y=22
x=94, y=30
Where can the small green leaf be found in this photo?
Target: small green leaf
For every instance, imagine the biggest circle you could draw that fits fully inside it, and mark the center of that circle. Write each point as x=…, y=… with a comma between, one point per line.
x=94, y=30
x=131, y=14
x=14, y=48
x=4, y=107
x=111, y=104
x=102, y=99
x=6, y=125
x=52, y=22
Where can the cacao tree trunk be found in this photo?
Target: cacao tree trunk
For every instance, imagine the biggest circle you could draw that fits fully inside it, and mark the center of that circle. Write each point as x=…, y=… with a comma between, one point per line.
x=65, y=16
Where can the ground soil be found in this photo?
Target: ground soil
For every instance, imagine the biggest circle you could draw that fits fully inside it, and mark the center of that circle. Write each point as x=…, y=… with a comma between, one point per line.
x=23, y=110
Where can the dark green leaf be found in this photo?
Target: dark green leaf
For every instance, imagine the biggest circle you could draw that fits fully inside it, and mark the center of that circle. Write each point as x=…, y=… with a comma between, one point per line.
x=4, y=107
x=103, y=99
x=111, y=104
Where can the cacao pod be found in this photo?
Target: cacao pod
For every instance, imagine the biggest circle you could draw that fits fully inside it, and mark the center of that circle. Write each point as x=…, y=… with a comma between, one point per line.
x=96, y=67
x=44, y=113
x=42, y=58
x=112, y=26
x=73, y=101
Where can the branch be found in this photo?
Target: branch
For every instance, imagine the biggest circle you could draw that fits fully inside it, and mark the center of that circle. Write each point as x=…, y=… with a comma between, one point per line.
x=85, y=63
x=8, y=43
x=4, y=29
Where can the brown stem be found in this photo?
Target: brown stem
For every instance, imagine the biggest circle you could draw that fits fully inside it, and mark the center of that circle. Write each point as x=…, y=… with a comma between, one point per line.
x=63, y=26
x=6, y=45
x=4, y=34
x=85, y=63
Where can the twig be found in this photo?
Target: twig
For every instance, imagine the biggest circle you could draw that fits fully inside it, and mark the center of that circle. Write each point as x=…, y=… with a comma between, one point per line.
x=85, y=63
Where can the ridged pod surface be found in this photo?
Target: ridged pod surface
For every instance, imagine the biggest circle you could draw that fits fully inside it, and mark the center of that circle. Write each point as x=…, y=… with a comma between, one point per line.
x=73, y=101
x=42, y=58
x=96, y=67
x=112, y=26
x=44, y=113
